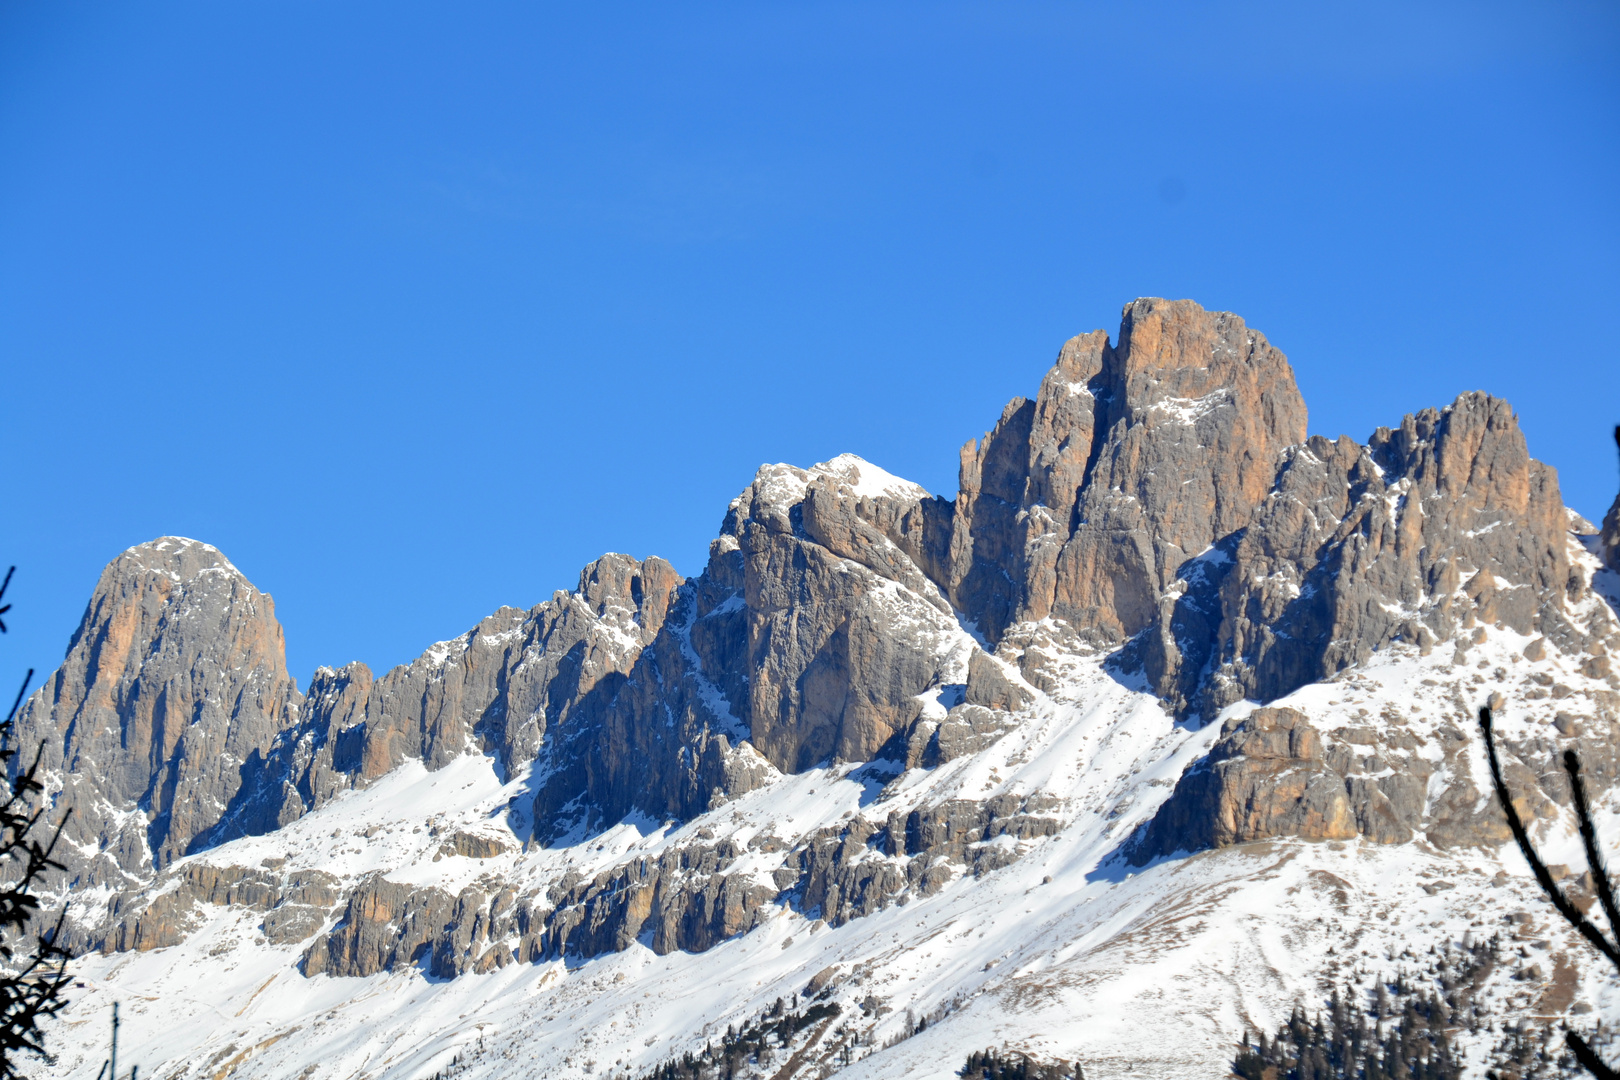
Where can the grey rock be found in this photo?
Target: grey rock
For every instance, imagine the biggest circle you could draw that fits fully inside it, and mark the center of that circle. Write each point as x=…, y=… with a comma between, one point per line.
x=988, y=685
x=1266, y=777
x=684, y=899
x=384, y=925
x=836, y=658
x=1274, y=775
x=807, y=638
x=1083, y=504
x=174, y=700
x=1402, y=540
x=173, y=689
x=288, y=924
x=473, y=845
x=498, y=688
x=965, y=730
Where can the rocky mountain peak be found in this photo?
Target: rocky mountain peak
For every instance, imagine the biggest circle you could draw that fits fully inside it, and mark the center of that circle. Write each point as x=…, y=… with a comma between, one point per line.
x=631, y=589
x=176, y=676
x=1082, y=504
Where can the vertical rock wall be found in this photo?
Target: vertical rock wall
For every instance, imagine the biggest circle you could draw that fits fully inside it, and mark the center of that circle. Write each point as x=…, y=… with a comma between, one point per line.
x=174, y=683
x=1083, y=504
x=1431, y=527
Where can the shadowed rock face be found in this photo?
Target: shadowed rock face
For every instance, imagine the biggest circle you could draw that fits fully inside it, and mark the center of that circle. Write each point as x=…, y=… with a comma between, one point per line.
x=1609, y=539
x=174, y=682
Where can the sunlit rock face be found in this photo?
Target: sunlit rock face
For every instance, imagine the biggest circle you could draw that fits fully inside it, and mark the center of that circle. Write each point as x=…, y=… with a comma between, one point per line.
x=175, y=680
x=1083, y=504
x=1431, y=527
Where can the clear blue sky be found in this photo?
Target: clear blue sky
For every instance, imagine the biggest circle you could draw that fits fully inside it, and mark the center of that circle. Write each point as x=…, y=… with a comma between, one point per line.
x=414, y=309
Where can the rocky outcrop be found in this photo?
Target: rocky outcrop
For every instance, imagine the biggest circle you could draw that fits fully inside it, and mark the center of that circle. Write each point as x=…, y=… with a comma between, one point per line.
x=174, y=685
x=963, y=731
x=690, y=897
x=384, y=925
x=498, y=689
x=811, y=636
x=1427, y=530
x=173, y=725
x=1083, y=504
x=844, y=630
x=1272, y=774
x=296, y=905
x=853, y=870
x=1266, y=777
x=687, y=898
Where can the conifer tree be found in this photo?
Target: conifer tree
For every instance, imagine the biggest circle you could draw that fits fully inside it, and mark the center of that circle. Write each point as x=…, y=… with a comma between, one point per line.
x=33, y=972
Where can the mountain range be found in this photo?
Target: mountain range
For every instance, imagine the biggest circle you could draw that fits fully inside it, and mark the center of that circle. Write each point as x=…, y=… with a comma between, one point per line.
x=1161, y=728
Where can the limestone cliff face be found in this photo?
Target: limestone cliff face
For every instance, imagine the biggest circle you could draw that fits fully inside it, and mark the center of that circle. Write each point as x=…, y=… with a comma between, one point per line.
x=1275, y=774
x=1083, y=504
x=1430, y=528
x=174, y=685
x=1157, y=500
x=811, y=636
x=174, y=726
x=844, y=630
x=498, y=688
x=1266, y=777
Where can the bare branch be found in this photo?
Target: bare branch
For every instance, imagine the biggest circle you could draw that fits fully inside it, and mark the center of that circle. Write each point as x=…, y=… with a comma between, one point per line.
x=1588, y=1057
x=1569, y=911
x=1594, y=857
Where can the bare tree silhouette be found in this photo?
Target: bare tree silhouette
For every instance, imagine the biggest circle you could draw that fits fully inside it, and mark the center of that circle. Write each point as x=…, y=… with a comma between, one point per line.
x=1607, y=945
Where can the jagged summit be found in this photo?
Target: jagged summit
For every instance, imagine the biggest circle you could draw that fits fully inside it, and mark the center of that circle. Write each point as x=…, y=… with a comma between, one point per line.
x=1156, y=619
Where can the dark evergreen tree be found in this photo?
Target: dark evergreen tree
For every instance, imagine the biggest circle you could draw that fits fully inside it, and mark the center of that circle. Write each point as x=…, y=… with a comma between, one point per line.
x=1400, y=1028
x=748, y=1047
x=33, y=971
x=1004, y=1064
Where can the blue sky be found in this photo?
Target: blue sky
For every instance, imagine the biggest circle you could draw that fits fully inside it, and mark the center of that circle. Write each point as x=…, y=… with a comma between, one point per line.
x=414, y=309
